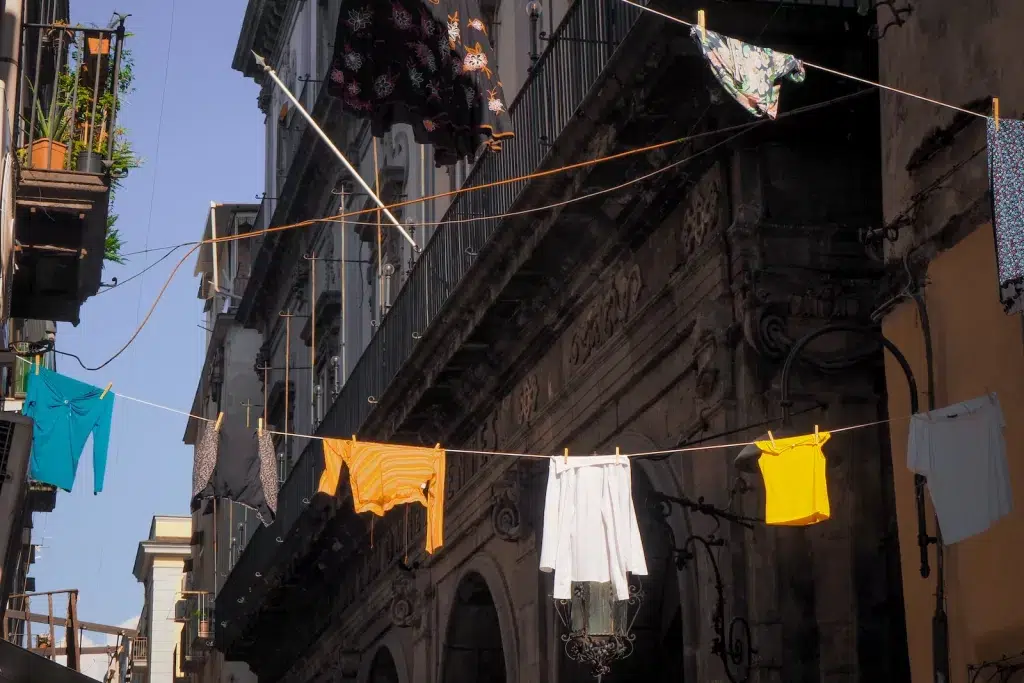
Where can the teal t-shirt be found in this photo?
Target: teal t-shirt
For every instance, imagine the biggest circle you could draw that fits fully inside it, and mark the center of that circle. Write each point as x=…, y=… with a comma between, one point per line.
x=65, y=412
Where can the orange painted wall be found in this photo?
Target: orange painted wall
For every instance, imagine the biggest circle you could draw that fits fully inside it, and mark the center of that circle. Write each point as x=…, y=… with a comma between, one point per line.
x=977, y=348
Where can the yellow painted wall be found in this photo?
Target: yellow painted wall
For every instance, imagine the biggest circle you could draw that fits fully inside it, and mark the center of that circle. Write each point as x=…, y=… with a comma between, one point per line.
x=977, y=348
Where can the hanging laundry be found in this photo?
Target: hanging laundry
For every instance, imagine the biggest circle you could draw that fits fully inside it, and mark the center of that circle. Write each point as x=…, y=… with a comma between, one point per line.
x=65, y=412
x=426, y=63
x=749, y=73
x=1006, y=180
x=961, y=452
x=382, y=476
x=796, y=489
x=234, y=464
x=590, y=530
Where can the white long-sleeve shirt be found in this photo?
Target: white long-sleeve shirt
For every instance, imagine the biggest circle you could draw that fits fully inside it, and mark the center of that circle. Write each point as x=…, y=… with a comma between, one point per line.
x=590, y=529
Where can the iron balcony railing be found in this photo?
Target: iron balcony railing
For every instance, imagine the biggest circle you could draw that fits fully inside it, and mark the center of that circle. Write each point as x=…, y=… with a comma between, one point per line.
x=197, y=632
x=22, y=371
x=577, y=53
x=69, y=98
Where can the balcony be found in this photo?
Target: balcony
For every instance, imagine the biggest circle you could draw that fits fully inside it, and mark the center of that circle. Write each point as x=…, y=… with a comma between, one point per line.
x=70, y=153
x=139, y=652
x=196, y=612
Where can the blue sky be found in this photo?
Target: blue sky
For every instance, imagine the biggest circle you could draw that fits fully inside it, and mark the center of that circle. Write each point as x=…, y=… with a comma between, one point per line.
x=206, y=144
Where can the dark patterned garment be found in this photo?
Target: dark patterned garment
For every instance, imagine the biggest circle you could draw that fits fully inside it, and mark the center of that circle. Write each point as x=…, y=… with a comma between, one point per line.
x=1006, y=176
x=427, y=63
x=232, y=465
x=749, y=73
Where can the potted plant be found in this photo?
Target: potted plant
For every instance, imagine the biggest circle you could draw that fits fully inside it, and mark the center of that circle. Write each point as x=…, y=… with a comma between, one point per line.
x=97, y=44
x=50, y=136
x=202, y=618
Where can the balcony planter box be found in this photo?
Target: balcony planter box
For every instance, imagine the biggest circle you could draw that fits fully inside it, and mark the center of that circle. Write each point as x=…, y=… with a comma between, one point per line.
x=48, y=154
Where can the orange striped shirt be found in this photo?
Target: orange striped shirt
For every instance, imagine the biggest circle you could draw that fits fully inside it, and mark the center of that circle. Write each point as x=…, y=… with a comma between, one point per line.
x=385, y=475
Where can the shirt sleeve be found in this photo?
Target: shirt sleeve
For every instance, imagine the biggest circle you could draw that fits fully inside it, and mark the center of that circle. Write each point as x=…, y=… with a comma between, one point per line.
x=435, y=504
x=549, y=536
x=331, y=476
x=101, y=440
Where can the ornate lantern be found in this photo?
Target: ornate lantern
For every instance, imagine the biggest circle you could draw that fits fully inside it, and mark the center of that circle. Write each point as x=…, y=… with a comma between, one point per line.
x=600, y=626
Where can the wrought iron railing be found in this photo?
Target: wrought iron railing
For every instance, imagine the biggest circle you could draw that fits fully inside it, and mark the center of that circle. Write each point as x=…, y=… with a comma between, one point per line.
x=577, y=53
x=69, y=98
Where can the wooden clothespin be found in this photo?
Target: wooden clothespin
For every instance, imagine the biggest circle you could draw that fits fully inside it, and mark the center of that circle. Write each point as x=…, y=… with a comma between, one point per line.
x=772, y=439
x=995, y=111
x=702, y=24
x=616, y=455
x=37, y=363
x=105, y=390
x=566, y=456
x=353, y=438
x=817, y=439
x=220, y=418
x=259, y=427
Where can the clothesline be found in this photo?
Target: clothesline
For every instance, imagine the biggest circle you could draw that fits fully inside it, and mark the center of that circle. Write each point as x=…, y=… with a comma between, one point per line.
x=641, y=454
x=139, y=400
x=826, y=69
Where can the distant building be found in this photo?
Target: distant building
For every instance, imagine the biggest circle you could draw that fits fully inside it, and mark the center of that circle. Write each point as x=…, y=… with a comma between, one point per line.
x=160, y=567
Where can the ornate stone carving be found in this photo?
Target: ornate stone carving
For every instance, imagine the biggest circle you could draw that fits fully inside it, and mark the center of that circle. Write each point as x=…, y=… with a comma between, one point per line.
x=605, y=317
x=702, y=214
x=405, y=610
x=527, y=399
x=506, y=510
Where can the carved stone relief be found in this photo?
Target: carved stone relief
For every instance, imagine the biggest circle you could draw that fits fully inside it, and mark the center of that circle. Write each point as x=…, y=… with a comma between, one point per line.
x=606, y=316
x=506, y=510
x=702, y=215
x=406, y=602
x=527, y=399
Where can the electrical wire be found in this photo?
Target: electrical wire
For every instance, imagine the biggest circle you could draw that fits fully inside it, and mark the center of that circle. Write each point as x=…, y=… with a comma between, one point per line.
x=826, y=69
x=292, y=226
x=154, y=264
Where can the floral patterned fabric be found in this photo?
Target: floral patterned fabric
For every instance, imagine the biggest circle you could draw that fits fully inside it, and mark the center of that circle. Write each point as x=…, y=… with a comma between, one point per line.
x=749, y=73
x=1006, y=177
x=427, y=63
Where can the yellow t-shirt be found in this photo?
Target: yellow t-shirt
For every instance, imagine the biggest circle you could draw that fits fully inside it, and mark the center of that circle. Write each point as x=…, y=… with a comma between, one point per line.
x=382, y=476
x=796, y=492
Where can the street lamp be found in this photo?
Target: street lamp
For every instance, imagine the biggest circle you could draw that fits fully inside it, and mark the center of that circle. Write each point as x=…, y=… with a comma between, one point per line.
x=533, y=10
x=599, y=624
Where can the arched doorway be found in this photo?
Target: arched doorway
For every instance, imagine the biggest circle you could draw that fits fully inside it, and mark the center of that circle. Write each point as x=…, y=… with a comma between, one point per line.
x=383, y=668
x=473, y=651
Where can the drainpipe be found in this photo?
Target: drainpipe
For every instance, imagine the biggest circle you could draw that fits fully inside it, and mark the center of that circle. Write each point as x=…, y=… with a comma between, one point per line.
x=10, y=47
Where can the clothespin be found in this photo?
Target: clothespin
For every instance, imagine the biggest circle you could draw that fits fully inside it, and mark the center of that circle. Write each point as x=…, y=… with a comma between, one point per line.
x=353, y=438
x=259, y=427
x=220, y=418
x=37, y=363
x=566, y=456
x=616, y=455
x=437, y=446
x=817, y=439
x=702, y=24
x=995, y=111
x=771, y=438
x=105, y=390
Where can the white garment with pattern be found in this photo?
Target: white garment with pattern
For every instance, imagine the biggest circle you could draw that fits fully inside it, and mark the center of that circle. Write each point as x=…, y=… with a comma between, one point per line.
x=590, y=528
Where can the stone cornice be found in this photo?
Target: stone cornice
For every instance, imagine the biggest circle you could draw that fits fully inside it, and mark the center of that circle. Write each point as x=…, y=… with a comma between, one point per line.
x=261, y=32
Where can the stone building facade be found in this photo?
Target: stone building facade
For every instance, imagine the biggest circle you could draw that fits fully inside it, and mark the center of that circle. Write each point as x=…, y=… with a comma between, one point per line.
x=652, y=318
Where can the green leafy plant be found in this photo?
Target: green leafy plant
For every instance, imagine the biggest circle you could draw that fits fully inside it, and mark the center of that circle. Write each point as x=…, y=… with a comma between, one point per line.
x=93, y=114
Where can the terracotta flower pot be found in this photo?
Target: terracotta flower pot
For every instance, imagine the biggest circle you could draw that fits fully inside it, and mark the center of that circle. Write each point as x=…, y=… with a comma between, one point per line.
x=204, y=628
x=48, y=154
x=97, y=46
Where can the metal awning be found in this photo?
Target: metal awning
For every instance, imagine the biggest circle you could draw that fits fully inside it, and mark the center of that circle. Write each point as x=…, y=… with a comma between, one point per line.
x=18, y=665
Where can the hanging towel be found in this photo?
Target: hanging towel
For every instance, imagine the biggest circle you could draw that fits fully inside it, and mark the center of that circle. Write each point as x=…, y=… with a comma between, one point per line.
x=590, y=530
x=425, y=63
x=233, y=464
x=1006, y=179
x=749, y=73
x=961, y=452
x=383, y=475
x=65, y=412
x=796, y=490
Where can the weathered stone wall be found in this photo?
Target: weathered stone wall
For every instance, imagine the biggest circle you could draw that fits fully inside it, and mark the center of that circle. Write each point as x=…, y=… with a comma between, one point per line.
x=679, y=339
